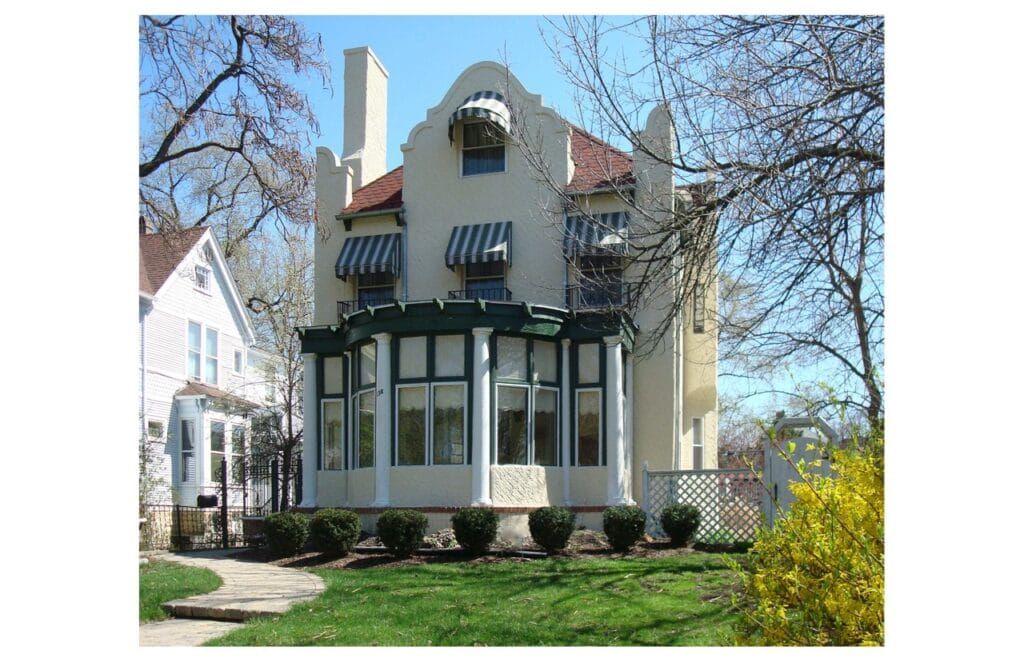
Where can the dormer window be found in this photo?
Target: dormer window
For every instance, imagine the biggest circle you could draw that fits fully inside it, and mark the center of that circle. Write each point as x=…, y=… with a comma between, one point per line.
x=202, y=278
x=483, y=149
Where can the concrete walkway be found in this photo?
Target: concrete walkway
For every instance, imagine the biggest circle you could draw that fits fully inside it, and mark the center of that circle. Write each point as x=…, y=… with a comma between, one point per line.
x=250, y=589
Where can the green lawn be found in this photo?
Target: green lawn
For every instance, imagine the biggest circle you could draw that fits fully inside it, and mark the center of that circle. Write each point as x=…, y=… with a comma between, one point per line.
x=679, y=600
x=160, y=581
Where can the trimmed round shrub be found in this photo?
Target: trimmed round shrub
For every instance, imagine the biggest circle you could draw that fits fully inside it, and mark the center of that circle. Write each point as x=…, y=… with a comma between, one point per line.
x=401, y=531
x=286, y=533
x=624, y=525
x=551, y=526
x=334, y=531
x=680, y=522
x=475, y=529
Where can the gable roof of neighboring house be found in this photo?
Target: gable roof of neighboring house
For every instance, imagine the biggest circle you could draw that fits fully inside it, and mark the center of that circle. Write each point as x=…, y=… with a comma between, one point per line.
x=598, y=166
x=160, y=254
x=205, y=390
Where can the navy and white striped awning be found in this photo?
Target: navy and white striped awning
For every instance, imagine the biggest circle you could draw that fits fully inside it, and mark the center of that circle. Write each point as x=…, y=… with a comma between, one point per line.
x=486, y=242
x=597, y=234
x=374, y=254
x=485, y=105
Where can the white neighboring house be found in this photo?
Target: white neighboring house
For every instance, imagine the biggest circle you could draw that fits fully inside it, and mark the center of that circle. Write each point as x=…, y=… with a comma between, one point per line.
x=201, y=380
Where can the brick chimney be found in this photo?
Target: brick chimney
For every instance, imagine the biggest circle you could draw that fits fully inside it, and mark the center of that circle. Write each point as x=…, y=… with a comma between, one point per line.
x=366, y=116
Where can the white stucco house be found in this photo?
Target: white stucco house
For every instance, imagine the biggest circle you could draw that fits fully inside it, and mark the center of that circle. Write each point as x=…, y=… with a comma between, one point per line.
x=474, y=340
x=201, y=379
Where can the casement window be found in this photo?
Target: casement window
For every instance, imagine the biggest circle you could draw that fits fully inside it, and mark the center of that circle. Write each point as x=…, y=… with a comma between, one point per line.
x=333, y=419
x=376, y=289
x=365, y=405
x=485, y=280
x=526, y=402
x=483, y=149
x=698, y=309
x=211, y=355
x=195, y=356
x=600, y=281
x=588, y=427
x=218, y=451
x=187, y=442
x=237, y=452
x=202, y=278
x=448, y=436
x=698, y=444
x=411, y=427
x=237, y=364
x=155, y=429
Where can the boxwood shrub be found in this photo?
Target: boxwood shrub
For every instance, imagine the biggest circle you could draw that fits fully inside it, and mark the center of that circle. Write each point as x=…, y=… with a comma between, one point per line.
x=475, y=529
x=401, y=531
x=551, y=526
x=624, y=525
x=334, y=531
x=285, y=533
x=680, y=521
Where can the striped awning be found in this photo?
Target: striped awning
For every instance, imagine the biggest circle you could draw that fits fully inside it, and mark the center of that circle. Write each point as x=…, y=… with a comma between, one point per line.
x=597, y=234
x=374, y=254
x=485, y=105
x=486, y=242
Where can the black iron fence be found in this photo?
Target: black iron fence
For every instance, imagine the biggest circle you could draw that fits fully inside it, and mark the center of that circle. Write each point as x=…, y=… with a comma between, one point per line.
x=227, y=513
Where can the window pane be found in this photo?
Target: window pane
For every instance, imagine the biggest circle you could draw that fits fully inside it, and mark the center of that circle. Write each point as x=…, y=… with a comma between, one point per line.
x=211, y=342
x=334, y=375
x=479, y=134
x=698, y=432
x=238, y=453
x=698, y=458
x=188, y=464
x=412, y=357
x=589, y=364
x=698, y=309
x=545, y=361
x=449, y=424
x=367, y=363
x=211, y=370
x=485, y=270
x=367, y=405
x=545, y=427
x=194, y=334
x=155, y=429
x=511, y=358
x=412, y=425
x=238, y=361
x=188, y=467
x=193, y=365
x=217, y=437
x=588, y=428
x=482, y=161
x=449, y=356
x=333, y=434
x=511, y=408
x=188, y=431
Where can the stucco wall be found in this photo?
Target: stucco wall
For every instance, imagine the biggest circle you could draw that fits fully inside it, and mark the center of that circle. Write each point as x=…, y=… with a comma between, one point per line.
x=331, y=488
x=430, y=486
x=513, y=485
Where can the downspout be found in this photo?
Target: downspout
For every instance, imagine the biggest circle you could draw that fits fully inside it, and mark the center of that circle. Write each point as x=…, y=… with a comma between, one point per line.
x=405, y=261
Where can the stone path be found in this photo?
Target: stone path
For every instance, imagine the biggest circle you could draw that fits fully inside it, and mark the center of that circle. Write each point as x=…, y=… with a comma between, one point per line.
x=249, y=590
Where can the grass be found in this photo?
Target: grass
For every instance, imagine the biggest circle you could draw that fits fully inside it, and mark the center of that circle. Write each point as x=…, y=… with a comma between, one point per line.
x=678, y=600
x=160, y=581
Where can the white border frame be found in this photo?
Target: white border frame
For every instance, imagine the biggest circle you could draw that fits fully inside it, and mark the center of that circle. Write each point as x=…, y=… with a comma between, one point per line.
x=533, y=424
x=323, y=437
x=465, y=419
x=206, y=349
x=462, y=149
x=601, y=461
x=208, y=290
x=529, y=424
x=188, y=350
x=426, y=422
x=354, y=425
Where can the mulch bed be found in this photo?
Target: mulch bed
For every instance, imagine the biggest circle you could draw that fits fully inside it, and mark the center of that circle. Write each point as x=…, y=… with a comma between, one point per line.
x=583, y=544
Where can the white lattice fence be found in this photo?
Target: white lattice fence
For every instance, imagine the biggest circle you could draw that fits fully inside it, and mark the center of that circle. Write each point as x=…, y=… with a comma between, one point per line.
x=729, y=501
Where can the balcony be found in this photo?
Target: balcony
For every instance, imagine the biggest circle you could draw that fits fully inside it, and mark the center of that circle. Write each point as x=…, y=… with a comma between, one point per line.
x=485, y=293
x=365, y=299
x=596, y=296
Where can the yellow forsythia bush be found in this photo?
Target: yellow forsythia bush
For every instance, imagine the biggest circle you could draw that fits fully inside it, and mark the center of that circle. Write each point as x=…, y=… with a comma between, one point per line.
x=817, y=578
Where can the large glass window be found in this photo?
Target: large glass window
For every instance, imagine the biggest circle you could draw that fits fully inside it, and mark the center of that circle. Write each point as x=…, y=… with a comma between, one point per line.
x=698, y=444
x=211, y=356
x=188, y=460
x=588, y=428
x=412, y=425
x=483, y=149
x=589, y=364
x=545, y=361
x=333, y=434
x=218, y=453
x=485, y=280
x=334, y=375
x=545, y=426
x=367, y=364
x=511, y=358
x=512, y=424
x=366, y=405
x=600, y=281
x=195, y=357
x=375, y=289
x=449, y=433
x=449, y=356
x=412, y=358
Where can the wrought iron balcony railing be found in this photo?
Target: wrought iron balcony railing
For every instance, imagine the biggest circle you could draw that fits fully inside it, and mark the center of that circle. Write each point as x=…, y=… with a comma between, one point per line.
x=592, y=296
x=352, y=305
x=485, y=293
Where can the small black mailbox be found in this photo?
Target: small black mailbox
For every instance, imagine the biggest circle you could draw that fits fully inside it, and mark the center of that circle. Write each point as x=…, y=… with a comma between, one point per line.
x=206, y=501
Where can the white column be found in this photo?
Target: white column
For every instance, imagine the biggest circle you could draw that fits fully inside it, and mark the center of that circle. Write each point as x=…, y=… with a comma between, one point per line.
x=482, y=417
x=615, y=404
x=382, y=423
x=564, y=419
x=630, y=450
x=310, y=431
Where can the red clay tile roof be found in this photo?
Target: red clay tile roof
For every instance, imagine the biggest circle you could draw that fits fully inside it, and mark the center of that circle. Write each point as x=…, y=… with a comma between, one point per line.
x=598, y=165
x=160, y=254
x=385, y=192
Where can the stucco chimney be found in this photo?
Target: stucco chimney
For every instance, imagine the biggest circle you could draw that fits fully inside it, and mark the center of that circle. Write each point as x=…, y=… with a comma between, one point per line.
x=366, y=115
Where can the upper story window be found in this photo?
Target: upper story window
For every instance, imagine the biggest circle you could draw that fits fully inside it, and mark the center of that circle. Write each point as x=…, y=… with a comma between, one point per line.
x=195, y=339
x=600, y=281
x=202, y=278
x=375, y=289
x=211, y=355
x=485, y=280
x=483, y=149
x=238, y=362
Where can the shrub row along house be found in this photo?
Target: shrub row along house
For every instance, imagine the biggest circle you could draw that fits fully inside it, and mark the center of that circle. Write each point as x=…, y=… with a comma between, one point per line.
x=202, y=382
x=473, y=341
